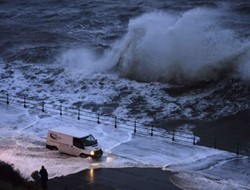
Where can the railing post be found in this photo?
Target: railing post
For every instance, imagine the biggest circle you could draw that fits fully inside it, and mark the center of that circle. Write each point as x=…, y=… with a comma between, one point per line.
x=78, y=115
x=135, y=127
x=238, y=148
x=24, y=102
x=61, y=110
x=42, y=106
x=115, y=122
x=7, y=99
x=98, y=118
x=173, y=138
x=151, y=133
x=194, y=139
x=215, y=142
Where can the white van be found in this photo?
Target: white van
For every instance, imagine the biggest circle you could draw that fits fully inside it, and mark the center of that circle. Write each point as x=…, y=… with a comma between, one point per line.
x=74, y=142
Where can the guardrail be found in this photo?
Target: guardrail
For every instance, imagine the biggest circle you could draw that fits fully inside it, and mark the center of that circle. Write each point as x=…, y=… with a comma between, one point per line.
x=134, y=126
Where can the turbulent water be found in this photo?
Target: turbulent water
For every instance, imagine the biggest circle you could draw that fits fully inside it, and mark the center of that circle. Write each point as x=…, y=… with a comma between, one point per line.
x=150, y=60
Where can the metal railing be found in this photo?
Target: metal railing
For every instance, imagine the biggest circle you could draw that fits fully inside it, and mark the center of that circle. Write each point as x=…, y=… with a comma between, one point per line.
x=133, y=126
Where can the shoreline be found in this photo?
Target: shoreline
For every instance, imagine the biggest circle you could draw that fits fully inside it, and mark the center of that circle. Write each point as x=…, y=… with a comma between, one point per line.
x=115, y=178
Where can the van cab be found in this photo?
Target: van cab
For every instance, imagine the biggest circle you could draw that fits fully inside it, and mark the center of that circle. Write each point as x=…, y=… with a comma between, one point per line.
x=74, y=142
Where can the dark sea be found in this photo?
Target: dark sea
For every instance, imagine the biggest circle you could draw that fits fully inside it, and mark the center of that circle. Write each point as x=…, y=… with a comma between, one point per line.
x=181, y=64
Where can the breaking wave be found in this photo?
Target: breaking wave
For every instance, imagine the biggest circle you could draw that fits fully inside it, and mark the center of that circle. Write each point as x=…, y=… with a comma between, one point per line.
x=182, y=49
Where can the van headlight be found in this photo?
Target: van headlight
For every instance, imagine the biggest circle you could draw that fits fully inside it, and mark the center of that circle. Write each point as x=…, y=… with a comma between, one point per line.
x=92, y=153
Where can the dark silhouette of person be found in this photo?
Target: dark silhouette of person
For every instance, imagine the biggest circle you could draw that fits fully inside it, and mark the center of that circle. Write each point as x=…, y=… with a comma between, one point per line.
x=44, y=178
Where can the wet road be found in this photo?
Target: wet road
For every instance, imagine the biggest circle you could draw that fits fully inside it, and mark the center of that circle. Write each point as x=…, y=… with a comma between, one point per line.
x=115, y=178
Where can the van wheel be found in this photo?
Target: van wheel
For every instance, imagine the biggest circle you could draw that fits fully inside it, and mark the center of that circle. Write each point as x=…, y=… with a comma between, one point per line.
x=54, y=148
x=83, y=156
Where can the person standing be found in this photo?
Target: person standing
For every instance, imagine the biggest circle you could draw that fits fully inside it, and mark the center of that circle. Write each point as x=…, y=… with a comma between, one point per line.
x=44, y=178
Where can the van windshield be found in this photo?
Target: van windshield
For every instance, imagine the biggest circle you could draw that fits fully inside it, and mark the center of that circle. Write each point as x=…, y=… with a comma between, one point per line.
x=85, y=141
x=89, y=140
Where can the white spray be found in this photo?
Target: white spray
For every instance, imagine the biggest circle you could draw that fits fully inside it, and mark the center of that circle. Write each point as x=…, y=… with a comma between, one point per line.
x=83, y=61
x=164, y=47
x=186, y=49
